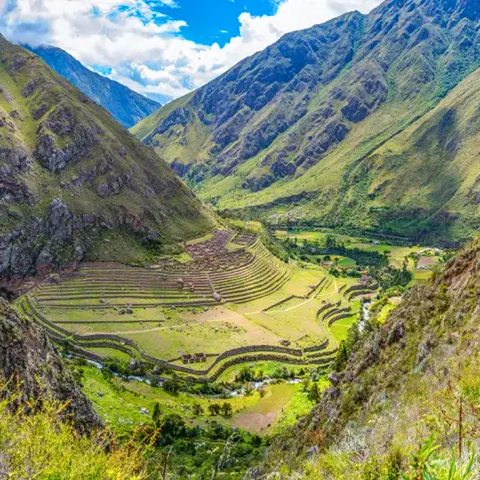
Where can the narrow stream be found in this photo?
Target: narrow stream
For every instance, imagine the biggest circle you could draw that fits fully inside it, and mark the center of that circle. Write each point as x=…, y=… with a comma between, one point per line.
x=233, y=393
x=365, y=315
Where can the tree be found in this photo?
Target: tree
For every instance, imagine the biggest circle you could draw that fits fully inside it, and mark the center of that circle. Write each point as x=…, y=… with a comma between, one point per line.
x=197, y=410
x=214, y=409
x=157, y=414
x=330, y=242
x=341, y=358
x=353, y=336
x=227, y=409
x=245, y=375
x=314, y=393
x=172, y=386
x=306, y=384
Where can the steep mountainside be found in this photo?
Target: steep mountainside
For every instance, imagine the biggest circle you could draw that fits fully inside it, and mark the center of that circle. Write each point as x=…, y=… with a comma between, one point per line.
x=125, y=105
x=70, y=176
x=28, y=359
x=308, y=130
x=403, y=383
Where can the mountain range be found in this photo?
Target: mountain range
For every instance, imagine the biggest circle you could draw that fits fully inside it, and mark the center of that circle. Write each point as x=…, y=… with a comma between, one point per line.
x=125, y=105
x=366, y=123
x=74, y=182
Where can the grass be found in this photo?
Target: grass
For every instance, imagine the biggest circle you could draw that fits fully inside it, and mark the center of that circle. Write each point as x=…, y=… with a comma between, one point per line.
x=340, y=329
x=292, y=302
x=298, y=406
x=262, y=417
x=198, y=240
x=384, y=312
x=38, y=445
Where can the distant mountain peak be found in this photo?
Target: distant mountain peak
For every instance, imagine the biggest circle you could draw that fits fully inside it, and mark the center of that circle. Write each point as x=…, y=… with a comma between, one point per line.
x=125, y=105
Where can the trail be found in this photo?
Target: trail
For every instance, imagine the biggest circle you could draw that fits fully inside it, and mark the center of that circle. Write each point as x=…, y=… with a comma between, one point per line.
x=308, y=301
x=136, y=332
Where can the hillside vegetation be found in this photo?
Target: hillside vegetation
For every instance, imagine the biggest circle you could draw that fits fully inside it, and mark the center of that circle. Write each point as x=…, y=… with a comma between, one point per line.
x=39, y=446
x=404, y=394
x=125, y=105
x=334, y=125
x=71, y=178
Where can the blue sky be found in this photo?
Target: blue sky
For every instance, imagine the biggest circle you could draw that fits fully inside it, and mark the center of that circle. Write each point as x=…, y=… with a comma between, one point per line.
x=211, y=21
x=164, y=48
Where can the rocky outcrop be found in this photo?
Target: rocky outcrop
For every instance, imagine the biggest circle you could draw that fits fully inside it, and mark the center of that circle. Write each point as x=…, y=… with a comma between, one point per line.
x=28, y=359
x=43, y=244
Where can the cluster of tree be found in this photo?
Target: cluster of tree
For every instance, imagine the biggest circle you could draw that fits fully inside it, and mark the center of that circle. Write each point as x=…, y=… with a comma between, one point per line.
x=185, y=450
x=390, y=277
x=247, y=374
x=313, y=390
x=216, y=409
x=331, y=247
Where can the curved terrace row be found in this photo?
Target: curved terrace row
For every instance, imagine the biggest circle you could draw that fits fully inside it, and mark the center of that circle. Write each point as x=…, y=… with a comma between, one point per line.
x=214, y=276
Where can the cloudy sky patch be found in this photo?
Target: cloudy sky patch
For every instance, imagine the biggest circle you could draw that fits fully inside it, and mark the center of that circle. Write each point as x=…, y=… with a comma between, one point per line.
x=164, y=48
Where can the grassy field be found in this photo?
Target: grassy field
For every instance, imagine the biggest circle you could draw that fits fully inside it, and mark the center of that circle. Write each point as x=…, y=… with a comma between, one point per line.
x=397, y=254
x=121, y=403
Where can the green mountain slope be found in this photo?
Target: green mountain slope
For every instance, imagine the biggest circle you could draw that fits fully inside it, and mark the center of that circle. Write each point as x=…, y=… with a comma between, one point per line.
x=290, y=133
x=125, y=105
x=401, y=387
x=70, y=175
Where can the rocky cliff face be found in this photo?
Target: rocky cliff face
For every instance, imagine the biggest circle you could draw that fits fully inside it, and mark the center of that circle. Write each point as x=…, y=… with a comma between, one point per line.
x=302, y=121
x=69, y=173
x=125, y=105
x=28, y=359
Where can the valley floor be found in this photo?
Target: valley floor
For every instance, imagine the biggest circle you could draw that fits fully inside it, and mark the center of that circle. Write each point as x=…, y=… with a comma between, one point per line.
x=282, y=336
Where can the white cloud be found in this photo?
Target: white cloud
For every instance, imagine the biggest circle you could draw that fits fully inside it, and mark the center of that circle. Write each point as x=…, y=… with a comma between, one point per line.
x=145, y=49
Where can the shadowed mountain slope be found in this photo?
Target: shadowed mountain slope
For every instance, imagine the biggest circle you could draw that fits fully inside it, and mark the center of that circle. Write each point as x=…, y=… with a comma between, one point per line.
x=125, y=105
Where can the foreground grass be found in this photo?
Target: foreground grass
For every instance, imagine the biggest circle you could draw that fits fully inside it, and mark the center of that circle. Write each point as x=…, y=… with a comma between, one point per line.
x=40, y=446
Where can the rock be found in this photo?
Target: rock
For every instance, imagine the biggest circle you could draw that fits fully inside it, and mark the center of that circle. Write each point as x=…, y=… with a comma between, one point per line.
x=355, y=110
x=133, y=364
x=333, y=393
x=313, y=451
x=27, y=354
x=334, y=379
